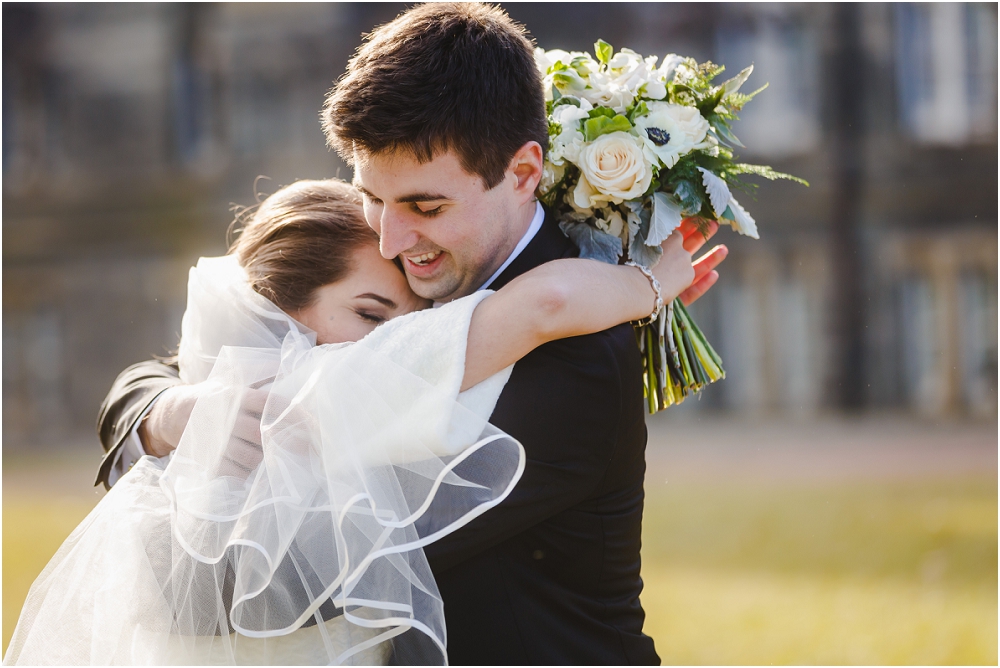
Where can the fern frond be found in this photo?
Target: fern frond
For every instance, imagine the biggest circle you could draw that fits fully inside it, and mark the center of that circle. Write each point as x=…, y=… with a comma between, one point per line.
x=764, y=171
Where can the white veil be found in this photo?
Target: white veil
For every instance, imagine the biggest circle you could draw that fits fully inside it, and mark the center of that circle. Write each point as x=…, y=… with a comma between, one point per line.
x=312, y=554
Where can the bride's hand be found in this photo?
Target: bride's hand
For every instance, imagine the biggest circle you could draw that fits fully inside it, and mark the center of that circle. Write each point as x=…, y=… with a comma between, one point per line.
x=677, y=274
x=160, y=431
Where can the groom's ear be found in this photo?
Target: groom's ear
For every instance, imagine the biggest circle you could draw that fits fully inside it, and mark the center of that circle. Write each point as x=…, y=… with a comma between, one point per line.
x=526, y=168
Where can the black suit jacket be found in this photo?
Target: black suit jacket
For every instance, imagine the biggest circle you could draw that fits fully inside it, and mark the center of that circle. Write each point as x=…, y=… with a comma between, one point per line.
x=551, y=575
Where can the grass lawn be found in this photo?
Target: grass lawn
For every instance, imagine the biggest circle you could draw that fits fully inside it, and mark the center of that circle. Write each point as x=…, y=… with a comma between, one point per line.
x=900, y=573
x=786, y=571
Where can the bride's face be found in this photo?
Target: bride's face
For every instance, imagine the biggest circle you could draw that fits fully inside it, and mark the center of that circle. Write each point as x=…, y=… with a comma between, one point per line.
x=375, y=291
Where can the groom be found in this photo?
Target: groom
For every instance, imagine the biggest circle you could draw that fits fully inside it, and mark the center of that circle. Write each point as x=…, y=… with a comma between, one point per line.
x=441, y=113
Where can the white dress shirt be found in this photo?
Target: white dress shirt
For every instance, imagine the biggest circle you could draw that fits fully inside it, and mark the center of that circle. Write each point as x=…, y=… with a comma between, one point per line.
x=132, y=449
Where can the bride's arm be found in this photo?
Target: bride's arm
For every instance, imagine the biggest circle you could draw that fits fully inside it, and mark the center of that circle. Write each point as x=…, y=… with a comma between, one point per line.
x=574, y=297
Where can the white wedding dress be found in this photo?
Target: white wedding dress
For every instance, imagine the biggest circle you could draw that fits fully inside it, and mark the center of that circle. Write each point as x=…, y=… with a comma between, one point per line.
x=311, y=555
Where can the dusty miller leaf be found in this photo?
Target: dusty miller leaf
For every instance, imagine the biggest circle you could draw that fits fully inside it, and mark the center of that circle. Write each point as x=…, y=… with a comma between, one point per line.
x=666, y=218
x=734, y=84
x=642, y=253
x=725, y=134
x=743, y=222
x=718, y=191
x=592, y=242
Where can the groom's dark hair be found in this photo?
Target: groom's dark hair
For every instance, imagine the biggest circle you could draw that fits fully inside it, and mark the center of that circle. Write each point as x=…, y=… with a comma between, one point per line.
x=442, y=76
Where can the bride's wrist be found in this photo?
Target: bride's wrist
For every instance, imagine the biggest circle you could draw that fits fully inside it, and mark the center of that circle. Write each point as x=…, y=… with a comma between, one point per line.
x=161, y=428
x=652, y=285
x=151, y=445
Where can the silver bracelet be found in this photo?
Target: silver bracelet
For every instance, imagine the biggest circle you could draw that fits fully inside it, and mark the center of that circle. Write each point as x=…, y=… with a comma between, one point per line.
x=658, y=304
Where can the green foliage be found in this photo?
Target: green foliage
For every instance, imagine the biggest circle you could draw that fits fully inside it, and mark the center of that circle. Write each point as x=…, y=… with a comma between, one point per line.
x=691, y=196
x=557, y=194
x=654, y=185
x=597, y=112
x=581, y=64
x=764, y=171
x=603, y=51
x=602, y=125
x=708, y=105
x=725, y=134
x=564, y=79
x=639, y=108
x=709, y=70
x=736, y=101
x=684, y=183
x=566, y=99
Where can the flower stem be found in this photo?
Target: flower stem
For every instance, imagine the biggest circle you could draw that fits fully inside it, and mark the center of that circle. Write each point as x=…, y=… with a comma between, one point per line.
x=677, y=358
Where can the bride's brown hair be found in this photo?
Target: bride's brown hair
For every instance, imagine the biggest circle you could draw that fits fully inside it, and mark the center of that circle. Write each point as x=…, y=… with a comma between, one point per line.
x=301, y=238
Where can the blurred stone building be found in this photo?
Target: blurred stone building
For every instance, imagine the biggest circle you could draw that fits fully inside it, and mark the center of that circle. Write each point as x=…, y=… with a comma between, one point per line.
x=130, y=129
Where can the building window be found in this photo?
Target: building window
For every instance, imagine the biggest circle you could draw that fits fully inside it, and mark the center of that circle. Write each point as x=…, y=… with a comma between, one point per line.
x=946, y=69
x=920, y=346
x=978, y=341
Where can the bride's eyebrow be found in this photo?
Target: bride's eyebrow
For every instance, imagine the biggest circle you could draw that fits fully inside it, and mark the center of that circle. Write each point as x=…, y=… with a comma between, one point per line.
x=385, y=301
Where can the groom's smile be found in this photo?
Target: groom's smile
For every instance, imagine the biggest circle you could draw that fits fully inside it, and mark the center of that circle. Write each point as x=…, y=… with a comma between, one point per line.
x=423, y=266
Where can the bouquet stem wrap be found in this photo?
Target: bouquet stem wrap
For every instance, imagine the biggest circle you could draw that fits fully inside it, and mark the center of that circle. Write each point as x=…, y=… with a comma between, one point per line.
x=678, y=359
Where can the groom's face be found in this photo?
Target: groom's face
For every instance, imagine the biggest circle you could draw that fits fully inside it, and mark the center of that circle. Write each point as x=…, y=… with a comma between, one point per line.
x=449, y=232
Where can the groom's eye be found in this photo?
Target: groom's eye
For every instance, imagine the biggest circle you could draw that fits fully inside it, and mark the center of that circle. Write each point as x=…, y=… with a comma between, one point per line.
x=429, y=211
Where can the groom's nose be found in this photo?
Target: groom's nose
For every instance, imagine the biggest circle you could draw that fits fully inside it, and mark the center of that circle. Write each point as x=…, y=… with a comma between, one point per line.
x=396, y=234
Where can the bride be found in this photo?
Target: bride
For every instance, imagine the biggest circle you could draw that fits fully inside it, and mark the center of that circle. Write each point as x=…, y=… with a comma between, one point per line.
x=375, y=443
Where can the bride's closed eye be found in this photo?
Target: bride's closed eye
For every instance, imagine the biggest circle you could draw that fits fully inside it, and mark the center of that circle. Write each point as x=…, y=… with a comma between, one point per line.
x=368, y=316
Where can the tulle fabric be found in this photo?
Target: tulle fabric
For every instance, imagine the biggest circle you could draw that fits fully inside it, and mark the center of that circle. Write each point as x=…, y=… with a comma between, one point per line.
x=304, y=552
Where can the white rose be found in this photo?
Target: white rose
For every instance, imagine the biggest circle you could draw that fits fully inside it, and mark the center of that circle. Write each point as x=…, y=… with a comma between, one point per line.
x=670, y=131
x=613, y=168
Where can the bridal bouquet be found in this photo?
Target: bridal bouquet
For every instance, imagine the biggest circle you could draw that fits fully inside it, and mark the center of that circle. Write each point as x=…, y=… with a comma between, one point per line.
x=633, y=150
